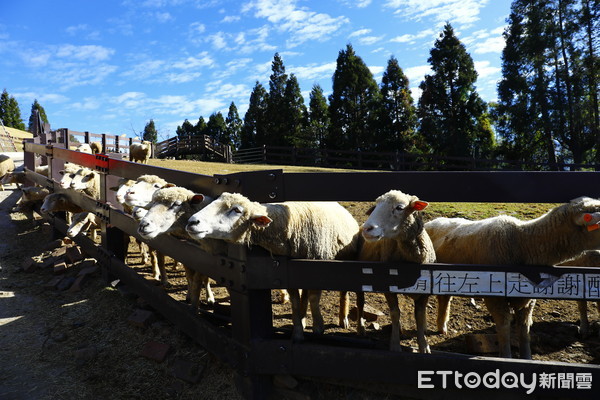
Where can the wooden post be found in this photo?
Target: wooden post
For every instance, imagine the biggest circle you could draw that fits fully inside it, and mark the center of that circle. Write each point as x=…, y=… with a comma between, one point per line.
x=86, y=136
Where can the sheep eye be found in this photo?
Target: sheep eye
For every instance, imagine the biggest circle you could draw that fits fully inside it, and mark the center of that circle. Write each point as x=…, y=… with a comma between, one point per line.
x=157, y=186
x=236, y=210
x=400, y=207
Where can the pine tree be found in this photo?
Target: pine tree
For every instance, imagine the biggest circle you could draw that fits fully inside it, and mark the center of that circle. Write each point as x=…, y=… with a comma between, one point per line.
x=233, y=128
x=398, y=120
x=41, y=112
x=215, y=127
x=353, y=104
x=10, y=114
x=294, y=113
x=150, y=132
x=200, y=127
x=453, y=118
x=186, y=130
x=318, y=117
x=276, y=118
x=253, y=131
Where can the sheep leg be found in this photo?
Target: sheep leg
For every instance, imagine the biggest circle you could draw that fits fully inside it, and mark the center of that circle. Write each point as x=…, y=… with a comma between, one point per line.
x=524, y=322
x=189, y=277
x=584, y=322
x=193, y=294
x=421, y=321
x=392, y=300
x=205, y=281
x=500, y=311
x=298, y=321
x=303, y=306
x=314, y=298
x=344, y=310
x=443, y=313
x=143, y=251
x=360, y=314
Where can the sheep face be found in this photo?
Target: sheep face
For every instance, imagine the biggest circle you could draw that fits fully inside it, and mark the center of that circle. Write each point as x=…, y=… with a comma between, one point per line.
x=167, y=208
x=140, y=193
x=67, y=178
x=124, y=186
x=51, y=202
x=392, y=213
x=227, y=218
x=82, y=179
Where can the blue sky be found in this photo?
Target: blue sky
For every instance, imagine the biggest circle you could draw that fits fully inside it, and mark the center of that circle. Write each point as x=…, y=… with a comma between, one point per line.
x=110, y=66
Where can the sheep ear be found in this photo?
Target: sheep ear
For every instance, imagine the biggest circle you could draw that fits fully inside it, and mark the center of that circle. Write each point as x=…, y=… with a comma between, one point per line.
x=262, y=221
x=168, y=185
x=62, y=172
x=370, y=210
x=197, y=199
x=419, y=205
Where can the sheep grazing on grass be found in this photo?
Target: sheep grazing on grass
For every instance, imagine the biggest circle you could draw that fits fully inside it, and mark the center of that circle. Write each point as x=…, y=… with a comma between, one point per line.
x=87, y=181
x=140, y=152
x=84, y=222
x=169, y=212
x=589, y=258
x=313, y=230
x=561, y=234
x=7, y=165
x=394, y=232
x=59, y=202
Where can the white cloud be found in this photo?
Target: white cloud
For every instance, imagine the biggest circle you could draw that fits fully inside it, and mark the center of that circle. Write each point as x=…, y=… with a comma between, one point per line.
x=464, y=12
x=302, y=24
x=370, y=40
x=360, y=32
x=231, y=18
x=416, y=74
x=90, y=53
x=490, y=45
x=218, y=40
x=312, y=72
x=411, y=38
x=203, y=60
x=163, y=17
x=484, y=69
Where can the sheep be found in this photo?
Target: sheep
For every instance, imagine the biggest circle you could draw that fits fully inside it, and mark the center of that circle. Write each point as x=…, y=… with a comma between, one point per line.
x=140, y=193
x=7, y=165
x=590, y=258
x=67, y=175
x=86, y=181
x=31, y=197
x=314, y=230
x=169, y=212
x=559, y=235
x=394, y=232
x=18, y=178
x=59, y=202
x=96, y=147
x=84, y=148
x=83, y=222
x=140, y=151
x=42, y=170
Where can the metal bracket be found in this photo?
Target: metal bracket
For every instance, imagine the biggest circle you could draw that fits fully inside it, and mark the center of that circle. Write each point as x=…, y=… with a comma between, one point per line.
x=103, y=212
x=102, y=163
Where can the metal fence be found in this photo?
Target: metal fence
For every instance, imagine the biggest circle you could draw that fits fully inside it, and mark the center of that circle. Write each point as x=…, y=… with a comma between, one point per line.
x=248, y=341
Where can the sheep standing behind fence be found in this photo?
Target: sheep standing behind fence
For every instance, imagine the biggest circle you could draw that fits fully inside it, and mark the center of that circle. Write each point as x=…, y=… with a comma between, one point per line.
x=140, y=152
x=394, y=232
x=561, y=234
x=312, y=230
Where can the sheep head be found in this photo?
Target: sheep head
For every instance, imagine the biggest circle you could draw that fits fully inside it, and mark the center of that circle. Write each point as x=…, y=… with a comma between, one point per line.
x=83, y=179
x=140, y=193
x=170, y=205
x=230, y=217
x=392, y=215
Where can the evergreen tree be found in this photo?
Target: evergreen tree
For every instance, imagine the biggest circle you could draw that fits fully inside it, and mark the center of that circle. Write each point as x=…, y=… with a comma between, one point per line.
x=318, y=117
x=294, y=113
x=200, y=127
x=233, y=129
x=10, y=114
x=398, y=120
x=253, y=131
x=150, y=132
x=276, y=118
x=215, y=127
x=453, y=118
x=32, y=117
x=186, y=130
x=352, y=104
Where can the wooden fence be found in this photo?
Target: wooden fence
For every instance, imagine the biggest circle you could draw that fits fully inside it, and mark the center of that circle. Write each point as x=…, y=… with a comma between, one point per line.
x=202, y=145
x=249, y=343
x=393, y=161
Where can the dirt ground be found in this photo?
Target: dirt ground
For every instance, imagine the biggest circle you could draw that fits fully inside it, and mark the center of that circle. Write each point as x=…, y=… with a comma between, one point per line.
x=58, y=344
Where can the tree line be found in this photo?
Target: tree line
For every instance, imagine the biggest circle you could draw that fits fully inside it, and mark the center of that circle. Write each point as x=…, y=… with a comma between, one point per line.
x=547, y=107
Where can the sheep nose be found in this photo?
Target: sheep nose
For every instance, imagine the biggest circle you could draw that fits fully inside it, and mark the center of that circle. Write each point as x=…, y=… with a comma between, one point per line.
x=193, y=222
x=368, y=228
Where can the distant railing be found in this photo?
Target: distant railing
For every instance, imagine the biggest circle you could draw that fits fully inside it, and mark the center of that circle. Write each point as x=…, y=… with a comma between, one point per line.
x=203, y=145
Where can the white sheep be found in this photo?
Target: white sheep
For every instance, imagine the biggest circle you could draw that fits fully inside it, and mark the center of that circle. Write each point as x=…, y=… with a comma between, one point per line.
x=67, y=175
x=169, y=212
x=140, y=151
x=42, y=170
x=84, y=222
x=590, y=258
x=313, y=230
x=559, y=235
x=59, y=202
x=7, y=165
x=394, y=232
x=84, y=148
x=87, y=181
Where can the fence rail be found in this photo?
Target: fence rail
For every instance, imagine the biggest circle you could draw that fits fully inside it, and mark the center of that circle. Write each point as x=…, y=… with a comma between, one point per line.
x=250, y=344
x=199, y=144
